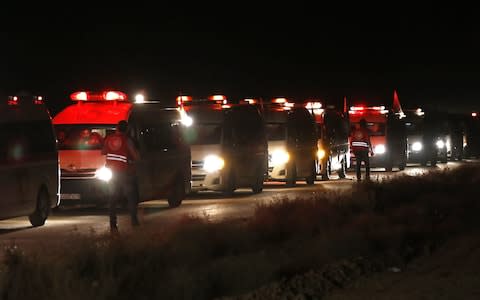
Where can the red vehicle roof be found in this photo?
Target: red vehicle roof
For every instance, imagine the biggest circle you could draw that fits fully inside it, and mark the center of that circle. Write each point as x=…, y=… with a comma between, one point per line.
x=94, y=113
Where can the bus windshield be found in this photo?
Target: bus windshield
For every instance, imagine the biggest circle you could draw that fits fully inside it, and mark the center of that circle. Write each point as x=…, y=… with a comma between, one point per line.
x=203, y=134
x=82, y=137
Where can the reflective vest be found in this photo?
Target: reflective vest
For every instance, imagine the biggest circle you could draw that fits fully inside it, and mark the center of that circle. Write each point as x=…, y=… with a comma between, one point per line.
x=117, y=151
x=360, y=140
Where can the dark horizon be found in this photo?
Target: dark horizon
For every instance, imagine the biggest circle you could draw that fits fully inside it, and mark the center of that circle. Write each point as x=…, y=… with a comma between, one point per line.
x=430, y=59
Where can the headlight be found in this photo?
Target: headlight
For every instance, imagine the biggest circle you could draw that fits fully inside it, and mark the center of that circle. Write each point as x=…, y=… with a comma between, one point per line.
x=104, y=174
x=417, y=146
x=280, y=157
x=380, y=149
x=440, y=144
x=321, y=154
x=213, y=163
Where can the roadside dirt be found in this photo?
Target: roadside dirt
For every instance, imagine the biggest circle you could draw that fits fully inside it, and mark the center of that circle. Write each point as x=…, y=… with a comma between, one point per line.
x=450, y=272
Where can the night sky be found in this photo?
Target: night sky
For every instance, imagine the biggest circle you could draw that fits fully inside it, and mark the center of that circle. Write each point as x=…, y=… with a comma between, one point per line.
x=430, y=55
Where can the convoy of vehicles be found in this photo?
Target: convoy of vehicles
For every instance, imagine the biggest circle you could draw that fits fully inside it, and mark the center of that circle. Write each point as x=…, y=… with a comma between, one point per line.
x=204, y=145
x=163, y=169
x=228, y=145
x=29, y=172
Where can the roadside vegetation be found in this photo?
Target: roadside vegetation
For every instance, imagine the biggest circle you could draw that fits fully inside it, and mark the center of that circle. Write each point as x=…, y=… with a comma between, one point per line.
x=374, y=226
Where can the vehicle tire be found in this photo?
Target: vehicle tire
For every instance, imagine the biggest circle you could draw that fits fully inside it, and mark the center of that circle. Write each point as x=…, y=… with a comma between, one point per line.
x=177, y=193
x=402, y=165
x=326, y=171
x=229, y=186
x=42, y=210
x=291, y=175
x=257, y=186
x=342, y=173
x=310, y=180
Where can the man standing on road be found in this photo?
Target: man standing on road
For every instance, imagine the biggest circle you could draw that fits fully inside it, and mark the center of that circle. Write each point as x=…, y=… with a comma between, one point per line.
x=361, y=147
x=120, y=152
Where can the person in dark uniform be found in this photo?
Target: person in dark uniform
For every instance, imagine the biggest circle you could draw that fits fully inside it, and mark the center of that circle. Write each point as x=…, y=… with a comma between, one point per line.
x=362, y=148
x=120, y=152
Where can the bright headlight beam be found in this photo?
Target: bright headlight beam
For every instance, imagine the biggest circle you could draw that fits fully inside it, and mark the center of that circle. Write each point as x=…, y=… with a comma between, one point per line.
x=321, y=154
x=213, y=163
x=417, y=146
x=280, y=157
x=380, y=149
x=440, y=144
x=104, y=174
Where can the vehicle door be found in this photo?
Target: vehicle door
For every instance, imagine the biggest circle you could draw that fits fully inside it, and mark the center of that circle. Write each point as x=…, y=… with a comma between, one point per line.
x=162, y=156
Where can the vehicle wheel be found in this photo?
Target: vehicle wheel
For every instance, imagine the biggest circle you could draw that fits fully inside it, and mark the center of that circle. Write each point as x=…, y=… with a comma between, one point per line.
x=229, y=186
x=326, y=170
x=257, y=186
x=177, y=194
x=342, y=173
x=310, y=180
x=291, y=175
x=402, y=165
x=40, y=215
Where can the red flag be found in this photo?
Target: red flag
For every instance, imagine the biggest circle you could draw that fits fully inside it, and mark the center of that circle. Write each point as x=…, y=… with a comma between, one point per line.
x=397, y=108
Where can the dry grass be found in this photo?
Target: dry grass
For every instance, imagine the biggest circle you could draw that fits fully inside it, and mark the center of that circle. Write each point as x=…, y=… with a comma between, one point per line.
x=196, y=259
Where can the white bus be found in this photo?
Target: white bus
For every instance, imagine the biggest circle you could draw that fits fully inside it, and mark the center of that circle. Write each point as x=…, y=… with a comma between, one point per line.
x=29, y=170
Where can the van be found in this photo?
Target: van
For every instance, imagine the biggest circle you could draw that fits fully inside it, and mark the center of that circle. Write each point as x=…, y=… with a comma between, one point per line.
x=163, y=170
x=29, y=171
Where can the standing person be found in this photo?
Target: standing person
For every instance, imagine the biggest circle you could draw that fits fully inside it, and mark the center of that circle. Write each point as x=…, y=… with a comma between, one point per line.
x=121, y=152
x=361, y=147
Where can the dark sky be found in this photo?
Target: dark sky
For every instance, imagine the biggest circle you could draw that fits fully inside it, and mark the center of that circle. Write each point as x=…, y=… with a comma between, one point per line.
x=429, y=54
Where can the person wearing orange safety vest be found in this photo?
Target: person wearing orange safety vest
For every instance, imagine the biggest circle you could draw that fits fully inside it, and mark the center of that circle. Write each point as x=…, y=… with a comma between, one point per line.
x=361, y=147
x=120, y=152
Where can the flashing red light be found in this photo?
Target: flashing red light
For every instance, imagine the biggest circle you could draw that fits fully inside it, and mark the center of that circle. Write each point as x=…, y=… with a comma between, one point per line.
x=313, y=105
x=38, y=100
x=108, y=96
x=114, y=95
x=280, y=100
x=249, y=101
x=13, y=100
x=474, y=114
x=79, y=96
x=221, y=99
x=357, y=108
x=181, y=99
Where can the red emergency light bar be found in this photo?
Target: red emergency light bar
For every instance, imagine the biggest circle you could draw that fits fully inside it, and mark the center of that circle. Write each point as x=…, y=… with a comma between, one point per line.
x=104, y=96
x=181, y=99
x=249, y=101
x=280, y=100
x=12, y=100
x=38, y=100
x=313, y=105
x=363, y=109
